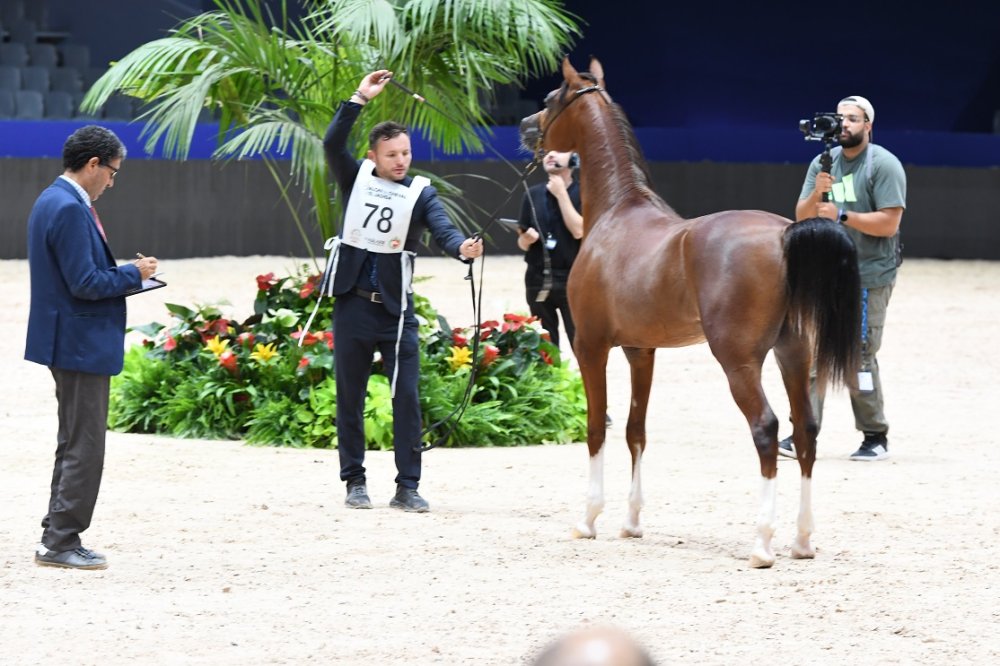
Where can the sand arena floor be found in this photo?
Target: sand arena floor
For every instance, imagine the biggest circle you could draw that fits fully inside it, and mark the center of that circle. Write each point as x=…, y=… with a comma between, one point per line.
x=226, y=554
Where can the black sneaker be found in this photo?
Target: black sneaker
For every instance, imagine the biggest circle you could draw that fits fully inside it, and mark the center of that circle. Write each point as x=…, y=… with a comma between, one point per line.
x=875, y=447
x=786, y=448
x=357, y=495
x=408, y=499
x=78, y=558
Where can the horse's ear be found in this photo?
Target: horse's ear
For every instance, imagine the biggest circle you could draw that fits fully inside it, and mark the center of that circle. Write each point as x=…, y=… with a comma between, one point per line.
x=597, y=70
x=567, y=70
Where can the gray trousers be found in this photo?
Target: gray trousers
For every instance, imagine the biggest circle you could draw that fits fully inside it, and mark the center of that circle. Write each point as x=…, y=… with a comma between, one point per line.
x=76, y=476
x=868, y=406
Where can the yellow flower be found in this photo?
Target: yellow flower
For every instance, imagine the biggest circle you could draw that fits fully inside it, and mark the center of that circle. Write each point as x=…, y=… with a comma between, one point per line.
x=216, y=346
x=263, y=353
x=460, y=357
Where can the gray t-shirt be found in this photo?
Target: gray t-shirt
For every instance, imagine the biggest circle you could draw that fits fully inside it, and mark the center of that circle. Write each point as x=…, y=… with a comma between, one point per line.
x=871, y=181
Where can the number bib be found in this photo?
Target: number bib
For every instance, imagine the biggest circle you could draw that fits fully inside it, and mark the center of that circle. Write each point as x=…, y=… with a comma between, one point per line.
x=379, y=211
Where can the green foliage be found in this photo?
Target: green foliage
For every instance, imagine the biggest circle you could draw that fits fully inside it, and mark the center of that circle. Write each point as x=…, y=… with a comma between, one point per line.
x=274, y=82
x=208, y=376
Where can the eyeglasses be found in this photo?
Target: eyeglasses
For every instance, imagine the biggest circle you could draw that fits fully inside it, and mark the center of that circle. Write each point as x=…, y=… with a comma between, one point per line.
x=114, y=171
x=856, y=119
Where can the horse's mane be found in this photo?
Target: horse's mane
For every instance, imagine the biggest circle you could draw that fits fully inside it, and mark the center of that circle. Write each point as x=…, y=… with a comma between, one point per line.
x=640, y=169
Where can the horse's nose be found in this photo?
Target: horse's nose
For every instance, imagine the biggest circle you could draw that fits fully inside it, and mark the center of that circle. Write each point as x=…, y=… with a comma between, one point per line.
x=529, y=131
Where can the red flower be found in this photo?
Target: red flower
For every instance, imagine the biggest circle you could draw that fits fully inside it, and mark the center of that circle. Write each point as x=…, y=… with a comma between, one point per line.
x=545, y=357
x=303, y=363
x=308, y=338
x=309, y=286
x=545, y=336
x=458, y=340
x=328, y=336
x=489, y=325
x=490, y=354
x=170, y=343
x=246, y=339
x=227, y=360
x=265, y=282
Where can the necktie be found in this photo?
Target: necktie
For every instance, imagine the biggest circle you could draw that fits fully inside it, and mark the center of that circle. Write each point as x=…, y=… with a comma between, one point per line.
x=100, y=227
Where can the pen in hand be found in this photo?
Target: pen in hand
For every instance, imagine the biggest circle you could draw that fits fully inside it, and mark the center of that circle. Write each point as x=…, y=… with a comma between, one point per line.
x=146, y=265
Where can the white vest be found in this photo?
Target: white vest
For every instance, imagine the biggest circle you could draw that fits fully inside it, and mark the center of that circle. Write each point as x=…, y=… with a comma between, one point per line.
x=378, y=213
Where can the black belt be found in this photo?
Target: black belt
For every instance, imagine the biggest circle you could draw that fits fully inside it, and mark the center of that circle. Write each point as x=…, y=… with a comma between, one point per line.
x=371, y=296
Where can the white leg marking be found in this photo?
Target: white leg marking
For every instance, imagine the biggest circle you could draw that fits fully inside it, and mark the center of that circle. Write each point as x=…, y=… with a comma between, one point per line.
x=631, y=528
x=762, y=556
x=595, y=498
x=801, y=548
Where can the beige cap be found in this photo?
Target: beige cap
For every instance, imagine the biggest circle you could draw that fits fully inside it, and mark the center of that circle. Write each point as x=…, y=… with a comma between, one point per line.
x=858, y=100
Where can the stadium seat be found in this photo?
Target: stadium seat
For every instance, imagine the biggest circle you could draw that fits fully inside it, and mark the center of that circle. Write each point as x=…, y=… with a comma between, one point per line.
x=90, y=75
x=13, y=53
x=24, y=31
x=77, y=113
x=75, y=55
x=66, y=79
x=37, y=11
x=11, y=11
x=43, y=55
x=28, y=104
x=119, y=107
x=35, y=78
x=10, y=77
x=7, y=107
x=58, y=104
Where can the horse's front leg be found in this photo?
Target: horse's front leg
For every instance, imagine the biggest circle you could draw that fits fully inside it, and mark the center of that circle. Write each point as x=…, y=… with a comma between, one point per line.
x=593, y=369
x=586, y=528
x=641, y=364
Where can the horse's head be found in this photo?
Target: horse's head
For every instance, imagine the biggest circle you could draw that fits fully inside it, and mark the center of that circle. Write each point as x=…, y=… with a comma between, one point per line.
x=550, y=129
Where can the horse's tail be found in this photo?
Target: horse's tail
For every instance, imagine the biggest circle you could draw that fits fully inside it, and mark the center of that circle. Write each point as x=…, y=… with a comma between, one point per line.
x=824, y=295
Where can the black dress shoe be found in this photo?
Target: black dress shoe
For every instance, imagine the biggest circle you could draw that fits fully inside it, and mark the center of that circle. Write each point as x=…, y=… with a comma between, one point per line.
x=78, y=558
x=408, y=499
x=357, y=495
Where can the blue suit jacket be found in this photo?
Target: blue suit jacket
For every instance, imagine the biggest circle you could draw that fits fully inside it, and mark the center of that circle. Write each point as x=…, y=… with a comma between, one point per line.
x=77, y=316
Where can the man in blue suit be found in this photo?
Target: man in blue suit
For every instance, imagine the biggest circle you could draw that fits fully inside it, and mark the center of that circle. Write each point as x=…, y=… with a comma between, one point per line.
x=76, y=327
x=370, y=273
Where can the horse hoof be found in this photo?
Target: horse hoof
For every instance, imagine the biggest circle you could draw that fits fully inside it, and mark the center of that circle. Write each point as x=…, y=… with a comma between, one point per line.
x=761, y=561
x=806, y=552
x=583, y=532
x=631, y=533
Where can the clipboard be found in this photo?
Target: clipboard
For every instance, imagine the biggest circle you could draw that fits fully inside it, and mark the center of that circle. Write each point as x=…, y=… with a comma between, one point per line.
x=149, y=284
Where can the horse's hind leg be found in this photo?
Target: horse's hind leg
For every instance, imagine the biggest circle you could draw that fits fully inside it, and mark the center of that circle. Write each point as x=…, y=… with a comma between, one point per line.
x=593, y=369
x=744, y=383
x=794, y=359
x=641, y=363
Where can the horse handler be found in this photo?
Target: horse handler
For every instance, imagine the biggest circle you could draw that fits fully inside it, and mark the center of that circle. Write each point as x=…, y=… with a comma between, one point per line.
x=370, y=272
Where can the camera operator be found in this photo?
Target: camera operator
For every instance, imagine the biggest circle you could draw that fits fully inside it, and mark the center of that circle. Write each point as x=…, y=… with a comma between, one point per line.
x=550, y=217
x=866, y=192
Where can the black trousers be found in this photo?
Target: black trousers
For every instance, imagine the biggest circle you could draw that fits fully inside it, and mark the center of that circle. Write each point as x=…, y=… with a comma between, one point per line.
x=76, y=476
x=548, y=311
x=359, y=328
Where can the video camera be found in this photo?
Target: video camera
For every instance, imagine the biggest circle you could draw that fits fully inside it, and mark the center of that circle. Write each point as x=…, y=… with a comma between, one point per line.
x=823, y=127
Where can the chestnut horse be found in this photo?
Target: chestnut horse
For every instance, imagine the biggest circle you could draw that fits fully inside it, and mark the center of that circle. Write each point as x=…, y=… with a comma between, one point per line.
x=745, y=281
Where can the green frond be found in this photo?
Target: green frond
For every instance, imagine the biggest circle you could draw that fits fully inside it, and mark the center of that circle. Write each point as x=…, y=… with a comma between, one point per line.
x=274, y=82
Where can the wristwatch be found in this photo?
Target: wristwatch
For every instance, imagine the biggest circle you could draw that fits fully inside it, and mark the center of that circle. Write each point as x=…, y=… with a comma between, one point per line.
x=842, y=216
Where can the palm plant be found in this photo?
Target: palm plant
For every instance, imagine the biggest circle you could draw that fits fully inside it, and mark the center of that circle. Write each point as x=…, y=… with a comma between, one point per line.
x=273, y=82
